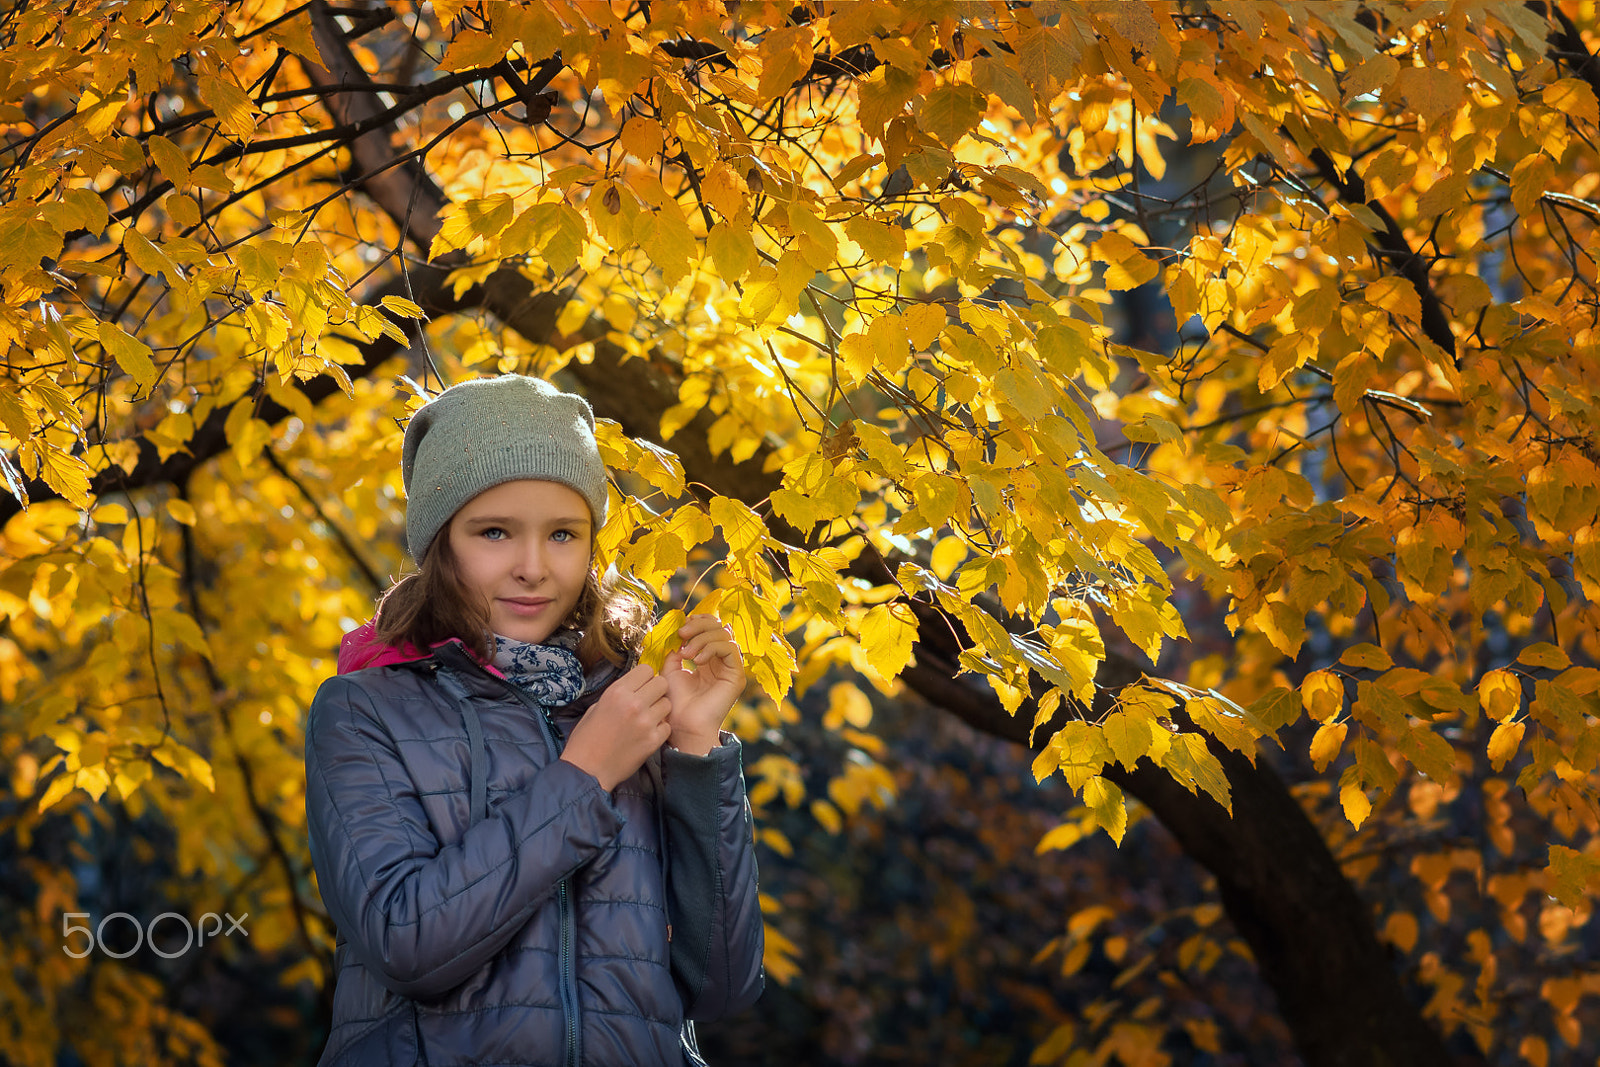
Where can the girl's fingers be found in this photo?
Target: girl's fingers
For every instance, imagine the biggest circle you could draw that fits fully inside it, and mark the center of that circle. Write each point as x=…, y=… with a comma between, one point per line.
x=717, y=650
x=704, y=640
x=703, y=624
x=697, y=623
x=711, y=630
x=719, y=639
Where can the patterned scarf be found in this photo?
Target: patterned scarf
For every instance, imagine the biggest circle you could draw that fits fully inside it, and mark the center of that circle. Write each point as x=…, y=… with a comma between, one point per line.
x=551, y=672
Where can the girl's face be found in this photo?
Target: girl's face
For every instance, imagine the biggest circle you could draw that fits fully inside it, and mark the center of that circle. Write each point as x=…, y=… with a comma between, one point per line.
x=524, y=547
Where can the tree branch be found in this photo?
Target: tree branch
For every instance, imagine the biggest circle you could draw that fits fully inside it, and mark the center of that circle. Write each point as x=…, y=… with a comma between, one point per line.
x=406, y=194
x=375, y=580
x=1566, y=43
x=210, y=437
x=1397, y=250
x=267, y=821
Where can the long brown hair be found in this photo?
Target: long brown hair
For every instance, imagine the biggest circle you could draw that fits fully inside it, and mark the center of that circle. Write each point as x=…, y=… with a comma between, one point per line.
x=432, y=604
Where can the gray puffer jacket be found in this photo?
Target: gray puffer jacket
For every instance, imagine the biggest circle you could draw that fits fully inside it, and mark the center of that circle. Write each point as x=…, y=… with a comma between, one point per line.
x=494, y=905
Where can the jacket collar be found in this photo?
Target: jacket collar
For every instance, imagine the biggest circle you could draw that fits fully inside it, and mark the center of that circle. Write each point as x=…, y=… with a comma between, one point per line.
x=362, y=648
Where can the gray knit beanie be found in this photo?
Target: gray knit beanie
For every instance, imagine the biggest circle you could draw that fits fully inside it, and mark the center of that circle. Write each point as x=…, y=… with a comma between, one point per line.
x=480, y=433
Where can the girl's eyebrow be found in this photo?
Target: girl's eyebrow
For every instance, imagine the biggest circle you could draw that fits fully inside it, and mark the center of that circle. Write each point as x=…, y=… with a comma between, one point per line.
x=501, y=520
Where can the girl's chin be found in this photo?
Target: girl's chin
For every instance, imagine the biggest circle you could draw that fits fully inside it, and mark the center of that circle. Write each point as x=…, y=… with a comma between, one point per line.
x=522, y=630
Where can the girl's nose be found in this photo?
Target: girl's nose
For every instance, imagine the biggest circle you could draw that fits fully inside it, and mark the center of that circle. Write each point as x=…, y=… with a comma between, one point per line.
x=530, y=566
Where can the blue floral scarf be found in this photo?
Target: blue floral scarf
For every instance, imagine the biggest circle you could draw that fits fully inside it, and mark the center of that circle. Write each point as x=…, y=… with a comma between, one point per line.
x=551, y=672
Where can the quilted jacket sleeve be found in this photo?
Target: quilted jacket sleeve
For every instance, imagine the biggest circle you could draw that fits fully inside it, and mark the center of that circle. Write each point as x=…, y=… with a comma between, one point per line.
x=717, y=934
x=423, y=915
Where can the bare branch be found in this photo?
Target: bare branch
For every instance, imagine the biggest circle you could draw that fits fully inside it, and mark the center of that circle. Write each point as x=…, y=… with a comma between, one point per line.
x=407, y=195
x=1397, y=250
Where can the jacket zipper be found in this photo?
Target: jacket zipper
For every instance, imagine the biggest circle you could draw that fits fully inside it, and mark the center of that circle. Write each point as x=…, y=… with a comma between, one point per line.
x=569, y=985
x=571, y=1056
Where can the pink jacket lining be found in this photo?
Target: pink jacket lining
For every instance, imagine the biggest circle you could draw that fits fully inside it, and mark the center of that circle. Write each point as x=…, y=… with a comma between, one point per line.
x=361, y=648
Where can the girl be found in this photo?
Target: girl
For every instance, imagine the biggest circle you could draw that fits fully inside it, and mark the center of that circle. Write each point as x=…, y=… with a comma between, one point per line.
x=535, y=850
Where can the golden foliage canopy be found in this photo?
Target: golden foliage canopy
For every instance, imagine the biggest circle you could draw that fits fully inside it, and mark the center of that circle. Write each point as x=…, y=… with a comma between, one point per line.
x=846, y=280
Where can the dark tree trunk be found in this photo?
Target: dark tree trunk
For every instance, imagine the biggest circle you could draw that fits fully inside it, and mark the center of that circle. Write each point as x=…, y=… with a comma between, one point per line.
x=1311, y=934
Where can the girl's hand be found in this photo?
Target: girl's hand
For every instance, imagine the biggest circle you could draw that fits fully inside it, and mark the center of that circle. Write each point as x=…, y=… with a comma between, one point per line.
x=627, y=723
x=702, y=698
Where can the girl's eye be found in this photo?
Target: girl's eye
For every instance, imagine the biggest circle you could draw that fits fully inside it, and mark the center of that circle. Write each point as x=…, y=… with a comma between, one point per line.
x=493, y=533
x=563, y=536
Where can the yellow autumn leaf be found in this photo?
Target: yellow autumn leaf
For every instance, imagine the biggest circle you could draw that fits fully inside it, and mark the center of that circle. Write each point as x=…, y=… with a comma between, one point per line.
x=951, y=110
x=741, y=527
x=1431, y=91
x=59, y=787
x=1195, y=768
x=1127, y=267
x=1500, y=694
x=1129, y=734
x=233, y=107
x=642, y=137
x=1105, y=802
x=1570, y=874
x=880, y=241
x=1326, y=743
x=662, y=639
x=1530, y=179
x=847, y=704
x=1353, y=799
x=170, y=158
x=1504, y=742
x=150, y=258
x=785, y=56
x=1366, y=656
x=1397, y=296
x=887, y=633
x=128, y=776
x=1574, y=97
x=1401, y=930
x=827, y=816
x=726, y=191
x=63, y=472
x=1322, y=693
x=471, y=49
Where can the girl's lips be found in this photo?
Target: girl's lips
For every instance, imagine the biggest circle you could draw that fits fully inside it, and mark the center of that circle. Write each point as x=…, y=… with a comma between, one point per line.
x=524, y=605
